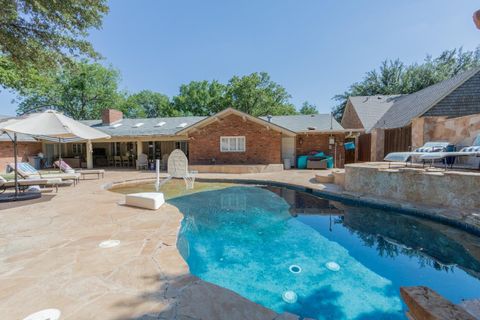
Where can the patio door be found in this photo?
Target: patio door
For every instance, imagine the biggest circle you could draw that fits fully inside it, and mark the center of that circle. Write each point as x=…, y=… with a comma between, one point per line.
x=288, y=149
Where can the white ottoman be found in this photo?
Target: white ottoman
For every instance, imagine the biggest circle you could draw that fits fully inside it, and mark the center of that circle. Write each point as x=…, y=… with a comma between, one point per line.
x=147, y=200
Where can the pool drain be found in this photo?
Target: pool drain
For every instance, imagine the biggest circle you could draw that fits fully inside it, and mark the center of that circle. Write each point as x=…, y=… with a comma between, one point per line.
x=295, y=268
x=289, y=296
x=109, y=244
x=47, y=314
x=332, y=266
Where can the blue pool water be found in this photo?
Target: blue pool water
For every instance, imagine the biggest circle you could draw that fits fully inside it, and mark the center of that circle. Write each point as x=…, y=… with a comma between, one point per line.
x=247, y=239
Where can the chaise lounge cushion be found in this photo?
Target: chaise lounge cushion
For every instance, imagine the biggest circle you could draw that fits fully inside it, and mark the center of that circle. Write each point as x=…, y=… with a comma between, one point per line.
x=146, y=200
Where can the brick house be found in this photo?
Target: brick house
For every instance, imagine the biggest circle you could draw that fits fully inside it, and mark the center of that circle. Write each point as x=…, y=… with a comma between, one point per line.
x=226, y=140
x=446, y=111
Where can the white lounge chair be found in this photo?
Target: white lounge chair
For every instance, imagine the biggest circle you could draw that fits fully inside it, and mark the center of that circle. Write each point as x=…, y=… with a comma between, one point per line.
x=413, y=156
x=65, y=167
x=471, y=151
x=26, y=171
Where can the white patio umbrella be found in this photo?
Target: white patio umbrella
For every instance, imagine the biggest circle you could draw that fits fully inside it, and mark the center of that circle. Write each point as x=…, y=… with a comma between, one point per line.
x=49, y=125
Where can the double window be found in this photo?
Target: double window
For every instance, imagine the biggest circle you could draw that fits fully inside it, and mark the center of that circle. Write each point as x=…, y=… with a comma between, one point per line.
x=232, y=144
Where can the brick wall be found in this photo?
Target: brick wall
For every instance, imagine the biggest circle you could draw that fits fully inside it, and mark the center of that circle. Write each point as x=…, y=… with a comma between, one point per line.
x=350, y=119
x=307, y=143
x=25, y=149
x=263, y=146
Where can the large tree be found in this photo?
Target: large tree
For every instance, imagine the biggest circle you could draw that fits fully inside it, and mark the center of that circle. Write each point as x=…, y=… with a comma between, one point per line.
x=395, y=77
x=81, y=90
x=308, y=108
x=201, y=98
x=258, y=95
x=39, y=36
x=149, y=104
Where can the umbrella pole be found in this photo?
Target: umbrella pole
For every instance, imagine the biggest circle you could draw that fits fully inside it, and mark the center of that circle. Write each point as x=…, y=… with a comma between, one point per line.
x=16, y=163
x=59, y=155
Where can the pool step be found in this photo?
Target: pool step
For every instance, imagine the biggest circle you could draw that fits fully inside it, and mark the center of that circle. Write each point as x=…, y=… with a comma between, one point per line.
x=472, y=306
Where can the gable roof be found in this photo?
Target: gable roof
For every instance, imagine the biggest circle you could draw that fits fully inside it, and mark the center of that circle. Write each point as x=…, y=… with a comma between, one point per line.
x=306, y=123
x=228, y=111
x=148, y=127
x=370, y=109
x=416, y=104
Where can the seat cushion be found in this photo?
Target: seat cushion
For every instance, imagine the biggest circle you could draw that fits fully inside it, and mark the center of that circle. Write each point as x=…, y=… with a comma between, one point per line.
x=146, y=200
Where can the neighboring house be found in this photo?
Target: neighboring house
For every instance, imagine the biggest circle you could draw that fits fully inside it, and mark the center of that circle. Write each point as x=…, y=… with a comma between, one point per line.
x=448, y=111
x=363, y=112
x=213, y=143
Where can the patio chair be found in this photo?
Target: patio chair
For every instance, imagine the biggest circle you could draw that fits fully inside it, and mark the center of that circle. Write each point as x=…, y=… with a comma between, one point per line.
x=65, y=167
x=26, y=171
x=110, y=161
x=117, y=160
x=142, y=162
x=125, y=161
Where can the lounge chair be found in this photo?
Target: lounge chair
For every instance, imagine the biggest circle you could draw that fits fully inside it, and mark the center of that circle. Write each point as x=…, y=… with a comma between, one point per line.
x=65, y=167
x=26, y=171
x=429, y=147
x=471, y=151
x=24, y=184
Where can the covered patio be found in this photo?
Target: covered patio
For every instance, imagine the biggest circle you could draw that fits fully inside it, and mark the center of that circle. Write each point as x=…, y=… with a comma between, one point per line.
x=115, y=152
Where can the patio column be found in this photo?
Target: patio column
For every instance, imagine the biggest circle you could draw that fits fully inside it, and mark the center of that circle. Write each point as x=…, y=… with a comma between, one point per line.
x=89, y=155
x=139, y=149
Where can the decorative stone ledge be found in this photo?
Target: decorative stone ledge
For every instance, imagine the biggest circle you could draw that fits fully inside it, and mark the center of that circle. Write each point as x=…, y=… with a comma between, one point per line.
x=426, y=304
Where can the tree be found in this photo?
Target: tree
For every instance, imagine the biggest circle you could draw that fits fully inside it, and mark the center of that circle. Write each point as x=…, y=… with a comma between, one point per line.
x=308, y=108
x=258, y=95
x=149, y=104
x=201, y=98
x=394, y=77
x=81, y=91
x=44, y=34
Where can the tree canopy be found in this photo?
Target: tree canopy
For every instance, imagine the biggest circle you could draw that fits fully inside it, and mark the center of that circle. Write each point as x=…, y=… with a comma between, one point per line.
x=201, y=98
x=81, y=91
x=39, y=36
x=308, y=108
x=148, y=104
x=395, y=77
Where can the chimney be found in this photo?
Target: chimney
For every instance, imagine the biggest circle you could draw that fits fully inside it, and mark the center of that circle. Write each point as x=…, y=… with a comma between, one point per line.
x=110, y=116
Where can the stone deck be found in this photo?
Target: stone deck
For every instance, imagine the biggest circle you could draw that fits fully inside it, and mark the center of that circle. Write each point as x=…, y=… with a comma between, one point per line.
x=49, y=256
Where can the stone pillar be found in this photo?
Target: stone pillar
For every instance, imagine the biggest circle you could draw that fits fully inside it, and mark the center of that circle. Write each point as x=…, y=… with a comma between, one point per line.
x=139, y=149
x=418, y=132
x=89, y=155
x=377, y=144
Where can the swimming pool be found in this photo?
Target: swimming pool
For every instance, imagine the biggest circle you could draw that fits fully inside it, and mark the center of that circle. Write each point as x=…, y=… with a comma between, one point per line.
x=291, y=251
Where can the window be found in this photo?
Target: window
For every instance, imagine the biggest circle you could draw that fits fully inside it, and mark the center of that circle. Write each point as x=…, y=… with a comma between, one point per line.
x=232, y=144
x=77, y=149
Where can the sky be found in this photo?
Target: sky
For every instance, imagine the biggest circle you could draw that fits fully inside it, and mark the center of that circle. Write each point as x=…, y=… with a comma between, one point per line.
x=314, y=48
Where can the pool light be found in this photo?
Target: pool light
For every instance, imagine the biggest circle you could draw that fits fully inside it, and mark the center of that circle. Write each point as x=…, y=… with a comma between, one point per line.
x=109, y=244
x=47, y=314
x=289, y=296
x=332, y=266
x=295, y=268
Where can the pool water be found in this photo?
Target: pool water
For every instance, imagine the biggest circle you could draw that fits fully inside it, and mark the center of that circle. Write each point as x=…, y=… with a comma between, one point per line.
x=291, y=251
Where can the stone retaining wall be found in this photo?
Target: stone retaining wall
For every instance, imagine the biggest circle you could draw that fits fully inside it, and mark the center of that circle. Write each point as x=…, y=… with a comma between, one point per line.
x=444, y=189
